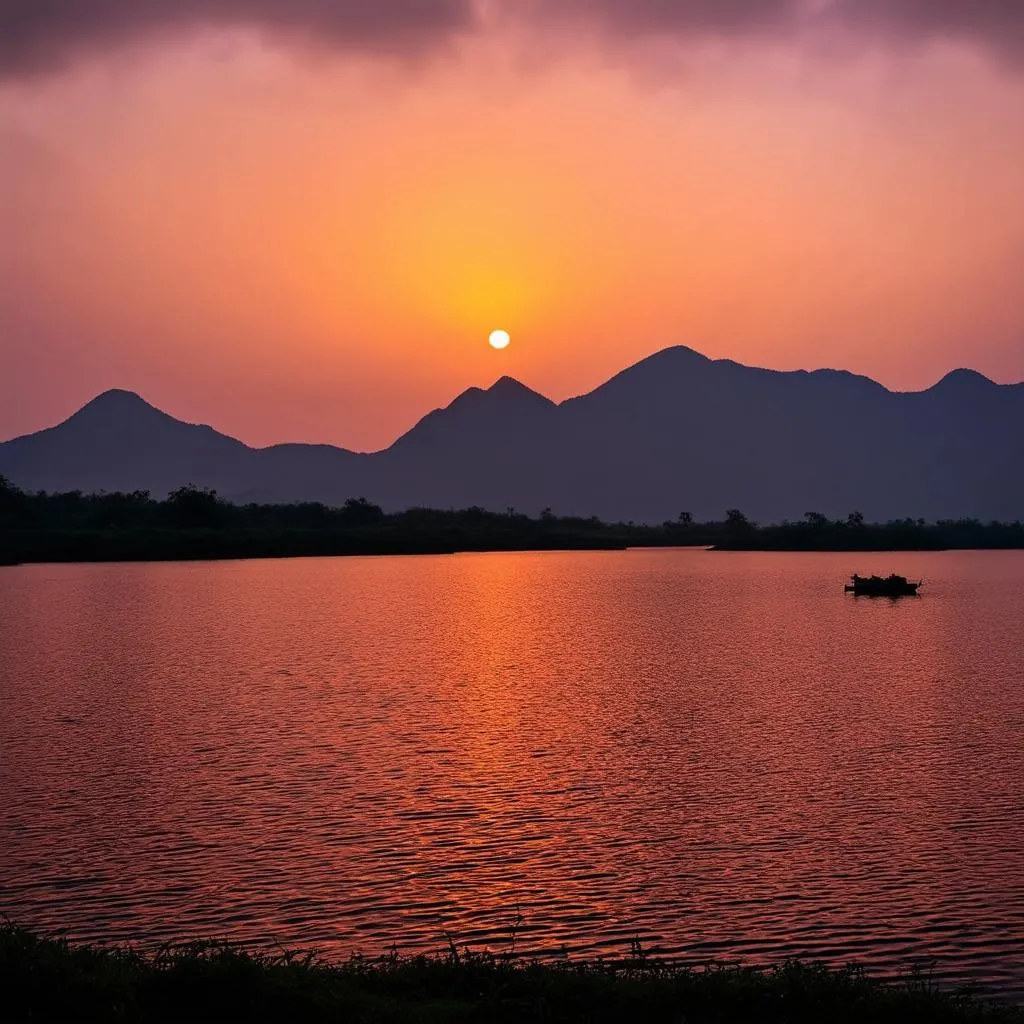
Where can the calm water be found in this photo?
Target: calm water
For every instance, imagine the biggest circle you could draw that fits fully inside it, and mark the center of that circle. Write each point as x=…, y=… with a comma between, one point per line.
x=721, y=754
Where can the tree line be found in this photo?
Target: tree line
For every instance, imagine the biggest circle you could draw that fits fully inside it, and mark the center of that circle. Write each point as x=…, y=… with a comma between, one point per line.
x=816, y=532
x=193, y=522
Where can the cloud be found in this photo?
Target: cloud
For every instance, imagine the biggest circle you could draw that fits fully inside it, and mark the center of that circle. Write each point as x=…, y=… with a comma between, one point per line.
x=996, y=24
x=671, y=17
x=43, y=35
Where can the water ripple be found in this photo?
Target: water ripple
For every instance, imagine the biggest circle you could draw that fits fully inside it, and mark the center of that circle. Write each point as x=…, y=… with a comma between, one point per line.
x=719, y=756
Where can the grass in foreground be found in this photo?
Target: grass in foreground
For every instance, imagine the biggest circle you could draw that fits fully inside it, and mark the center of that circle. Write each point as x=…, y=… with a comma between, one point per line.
x=50, y=979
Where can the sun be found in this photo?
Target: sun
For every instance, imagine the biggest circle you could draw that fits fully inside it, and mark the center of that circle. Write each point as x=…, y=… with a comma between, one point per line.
x=499, y=339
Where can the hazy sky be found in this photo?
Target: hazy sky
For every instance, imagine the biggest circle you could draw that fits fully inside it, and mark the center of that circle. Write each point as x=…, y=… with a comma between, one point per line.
x=299, y=219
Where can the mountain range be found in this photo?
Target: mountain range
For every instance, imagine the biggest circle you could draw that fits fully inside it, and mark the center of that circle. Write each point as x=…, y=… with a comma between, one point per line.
x=675, y=432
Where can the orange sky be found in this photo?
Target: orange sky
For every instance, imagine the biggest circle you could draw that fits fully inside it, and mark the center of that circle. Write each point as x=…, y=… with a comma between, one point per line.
x=297, y=243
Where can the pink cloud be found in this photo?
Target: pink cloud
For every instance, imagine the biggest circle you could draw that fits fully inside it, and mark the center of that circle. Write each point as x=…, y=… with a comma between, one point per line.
x=40, y=35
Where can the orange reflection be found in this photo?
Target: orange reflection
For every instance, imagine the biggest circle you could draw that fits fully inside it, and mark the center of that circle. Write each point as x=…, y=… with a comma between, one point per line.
x=721, y=753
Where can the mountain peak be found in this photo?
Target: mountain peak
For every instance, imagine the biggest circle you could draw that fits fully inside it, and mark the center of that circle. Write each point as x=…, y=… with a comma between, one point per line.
x=506, y=383
x=676, y=358
x=506, y=405
x=963, y=380
x=676, y=355
x=122, y=395
x=510, y=388
x=661, y=371
x=117, y=401
x=505, y=390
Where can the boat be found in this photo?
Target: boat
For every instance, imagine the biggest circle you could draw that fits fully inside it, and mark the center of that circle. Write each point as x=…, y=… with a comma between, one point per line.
x=882, y=586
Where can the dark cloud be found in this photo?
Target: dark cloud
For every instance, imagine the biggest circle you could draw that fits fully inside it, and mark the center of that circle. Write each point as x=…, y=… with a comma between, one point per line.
x=997, y=24
x=44, y=34
x=683, y=17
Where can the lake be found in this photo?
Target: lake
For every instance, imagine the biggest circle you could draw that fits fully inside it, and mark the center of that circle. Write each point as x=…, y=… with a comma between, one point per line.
x=720, y=755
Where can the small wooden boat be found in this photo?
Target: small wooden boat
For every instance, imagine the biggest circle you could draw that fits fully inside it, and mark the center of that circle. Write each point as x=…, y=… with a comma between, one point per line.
x=882, y=586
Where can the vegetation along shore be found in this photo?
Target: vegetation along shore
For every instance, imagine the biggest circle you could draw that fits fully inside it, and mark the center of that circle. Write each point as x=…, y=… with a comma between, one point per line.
x=50, y=979
x=197, y=524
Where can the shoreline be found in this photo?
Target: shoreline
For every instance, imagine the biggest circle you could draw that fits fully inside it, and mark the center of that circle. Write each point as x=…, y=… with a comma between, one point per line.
x=65, y=554
x=51, y=978
x=197, y=525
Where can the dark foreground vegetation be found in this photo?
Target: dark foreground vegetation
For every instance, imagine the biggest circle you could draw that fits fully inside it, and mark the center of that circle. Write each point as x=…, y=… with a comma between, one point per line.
x=197, y=524
x=48, y=979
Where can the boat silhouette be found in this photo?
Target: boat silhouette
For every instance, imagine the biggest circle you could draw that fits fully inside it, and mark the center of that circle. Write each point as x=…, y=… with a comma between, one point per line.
x=882, y=586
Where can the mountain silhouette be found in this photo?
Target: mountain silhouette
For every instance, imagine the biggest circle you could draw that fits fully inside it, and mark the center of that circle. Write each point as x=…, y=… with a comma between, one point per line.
x=118, y=441
x=676, y=431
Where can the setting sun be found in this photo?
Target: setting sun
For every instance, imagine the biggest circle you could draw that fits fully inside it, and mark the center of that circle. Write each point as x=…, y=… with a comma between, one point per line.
x=500, y=339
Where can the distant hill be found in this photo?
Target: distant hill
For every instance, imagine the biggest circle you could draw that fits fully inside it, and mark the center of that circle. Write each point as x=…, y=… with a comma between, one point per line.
x=675, y=432
x=120, y=442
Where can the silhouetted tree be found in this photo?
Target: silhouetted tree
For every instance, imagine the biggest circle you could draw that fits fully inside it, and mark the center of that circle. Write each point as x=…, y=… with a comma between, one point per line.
x=855, y=520
x=685, y=519
x=816, y=520
x=196, y=523
x=360, y=512
x=14, y=503
x=110, y=511
x=736, y=523
x=191, y=506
